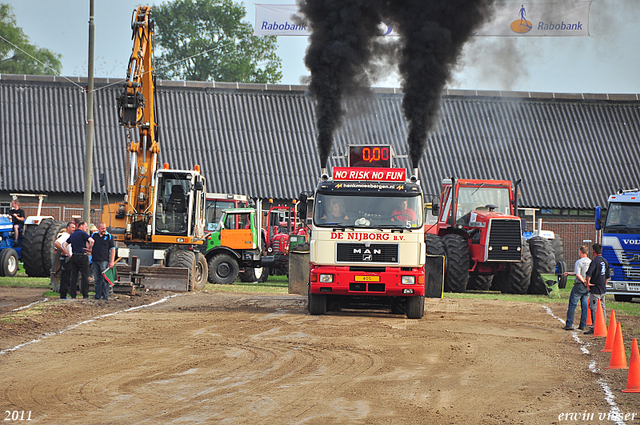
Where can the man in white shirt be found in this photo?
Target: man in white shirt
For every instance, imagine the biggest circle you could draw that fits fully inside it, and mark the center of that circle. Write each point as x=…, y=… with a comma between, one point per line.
x=64, y=248
x=579, y=290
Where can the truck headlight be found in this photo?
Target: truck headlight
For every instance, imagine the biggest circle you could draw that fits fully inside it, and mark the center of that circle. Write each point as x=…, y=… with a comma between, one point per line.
x=326, y=278
x=408, y=280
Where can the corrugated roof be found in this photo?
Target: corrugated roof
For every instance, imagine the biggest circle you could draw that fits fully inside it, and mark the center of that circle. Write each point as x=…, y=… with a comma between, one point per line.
x=571, y=150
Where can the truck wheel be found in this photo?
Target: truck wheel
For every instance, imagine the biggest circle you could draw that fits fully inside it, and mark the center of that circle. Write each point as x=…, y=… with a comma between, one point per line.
x=264, y=275
x=9, y=262
x=251, y=274
x=32, y=244
x=187, y=260
x=623, y=298
x=223, y=269
x=542, y=261
x=480, y=282
x=415, y=307
x=202, y=273
x=317, y=304
x=457, y=263
x=517, y=278
x=48, y=245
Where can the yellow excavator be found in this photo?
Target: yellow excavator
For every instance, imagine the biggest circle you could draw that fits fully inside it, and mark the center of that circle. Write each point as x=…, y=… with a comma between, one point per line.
x=161, y=221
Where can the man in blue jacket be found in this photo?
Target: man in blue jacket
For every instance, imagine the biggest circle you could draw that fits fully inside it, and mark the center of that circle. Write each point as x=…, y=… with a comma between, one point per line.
x=103, y=257
x=597, y=279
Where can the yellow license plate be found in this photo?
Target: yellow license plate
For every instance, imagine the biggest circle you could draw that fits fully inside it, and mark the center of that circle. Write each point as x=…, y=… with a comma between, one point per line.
x=367, y=278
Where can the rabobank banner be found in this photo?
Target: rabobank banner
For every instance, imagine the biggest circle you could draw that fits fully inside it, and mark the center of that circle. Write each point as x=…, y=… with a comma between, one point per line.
x=509, y=19
x=278, y=19
x=539, y=19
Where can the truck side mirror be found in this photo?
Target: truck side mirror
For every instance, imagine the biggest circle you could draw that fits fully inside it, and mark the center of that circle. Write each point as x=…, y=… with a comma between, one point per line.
x=199, y=186
x=598, y=218
x=435, y=209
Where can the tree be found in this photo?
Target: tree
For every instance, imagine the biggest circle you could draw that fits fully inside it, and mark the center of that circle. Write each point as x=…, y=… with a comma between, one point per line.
x=205, y=40
x=18, y=55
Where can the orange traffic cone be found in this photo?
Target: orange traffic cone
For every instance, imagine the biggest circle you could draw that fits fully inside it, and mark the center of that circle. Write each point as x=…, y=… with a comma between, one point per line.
x=600, y=327
x=633, y=380
x=611, y=334
x=589, y=318
x=618, y=356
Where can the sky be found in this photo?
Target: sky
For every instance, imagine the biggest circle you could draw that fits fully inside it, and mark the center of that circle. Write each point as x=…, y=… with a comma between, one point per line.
x=608, y=61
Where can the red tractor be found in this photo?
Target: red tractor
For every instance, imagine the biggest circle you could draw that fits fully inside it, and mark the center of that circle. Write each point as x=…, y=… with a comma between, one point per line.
x=481, y=238
x=284, y=232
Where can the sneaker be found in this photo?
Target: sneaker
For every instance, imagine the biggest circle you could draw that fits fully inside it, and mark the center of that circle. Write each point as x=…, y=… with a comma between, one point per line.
x=65, y=298
x=569, y=328
x=589, y=332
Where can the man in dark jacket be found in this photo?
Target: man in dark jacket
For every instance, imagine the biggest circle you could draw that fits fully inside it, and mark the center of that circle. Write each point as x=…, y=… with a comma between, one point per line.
x=103, y=257
x=597, y=279
x=81, y=245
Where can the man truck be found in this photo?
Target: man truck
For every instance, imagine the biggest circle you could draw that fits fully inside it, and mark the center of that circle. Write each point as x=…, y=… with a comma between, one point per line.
x=367, y=249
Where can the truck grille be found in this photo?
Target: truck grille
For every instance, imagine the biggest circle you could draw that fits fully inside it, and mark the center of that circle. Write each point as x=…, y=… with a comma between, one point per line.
x=631, y=273
x=504, y=240
x=629, y=256
x=374, y=253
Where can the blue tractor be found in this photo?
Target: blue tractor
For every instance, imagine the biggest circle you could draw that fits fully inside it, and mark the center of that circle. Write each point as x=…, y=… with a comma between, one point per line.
x=35, y=245
x=9, y=250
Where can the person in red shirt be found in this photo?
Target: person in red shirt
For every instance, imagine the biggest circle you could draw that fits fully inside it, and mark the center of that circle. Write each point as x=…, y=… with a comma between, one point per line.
x=403, y=212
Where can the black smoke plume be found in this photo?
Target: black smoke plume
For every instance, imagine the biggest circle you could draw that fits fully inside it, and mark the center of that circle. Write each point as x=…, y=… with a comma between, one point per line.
x=343, y=42
x=432, y=34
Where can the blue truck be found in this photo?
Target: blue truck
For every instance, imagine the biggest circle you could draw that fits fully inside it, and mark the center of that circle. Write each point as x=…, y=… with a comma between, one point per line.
x=621, y=243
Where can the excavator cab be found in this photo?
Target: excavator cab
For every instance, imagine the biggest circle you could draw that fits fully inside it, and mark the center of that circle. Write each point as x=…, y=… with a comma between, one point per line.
x=179, y=204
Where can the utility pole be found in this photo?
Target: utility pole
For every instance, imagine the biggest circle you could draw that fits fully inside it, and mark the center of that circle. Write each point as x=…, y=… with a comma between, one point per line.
x=88, y=167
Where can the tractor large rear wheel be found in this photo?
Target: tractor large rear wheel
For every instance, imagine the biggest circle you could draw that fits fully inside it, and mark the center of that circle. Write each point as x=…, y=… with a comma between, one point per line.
x=542, y=261
x=457, y=263
x=56, y=229
x=480, y=282
x=517, y=278
x=434, y=244
x=558, y=248
x=32, y=249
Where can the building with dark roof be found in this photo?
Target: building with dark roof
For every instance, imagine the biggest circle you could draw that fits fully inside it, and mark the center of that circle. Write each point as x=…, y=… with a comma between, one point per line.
x=571, y=150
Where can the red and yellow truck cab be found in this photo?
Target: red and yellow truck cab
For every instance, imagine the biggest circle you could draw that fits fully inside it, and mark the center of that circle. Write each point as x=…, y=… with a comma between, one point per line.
x=367, y=244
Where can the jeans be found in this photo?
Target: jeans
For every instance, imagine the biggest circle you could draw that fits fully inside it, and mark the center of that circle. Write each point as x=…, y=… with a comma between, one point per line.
x=578, y=292
x=80, y=264
x=593, y=305
x=65, y=276
x=99, y=282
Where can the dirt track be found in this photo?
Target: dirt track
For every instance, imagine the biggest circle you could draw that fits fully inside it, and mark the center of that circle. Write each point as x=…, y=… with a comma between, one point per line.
x=227, y=358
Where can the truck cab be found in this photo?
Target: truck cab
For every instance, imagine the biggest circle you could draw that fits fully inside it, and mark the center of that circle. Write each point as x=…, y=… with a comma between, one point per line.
x=367, y=244
x=621, y=243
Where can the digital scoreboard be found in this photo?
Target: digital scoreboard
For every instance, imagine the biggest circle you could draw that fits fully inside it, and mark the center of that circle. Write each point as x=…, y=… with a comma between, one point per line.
x=376, y=156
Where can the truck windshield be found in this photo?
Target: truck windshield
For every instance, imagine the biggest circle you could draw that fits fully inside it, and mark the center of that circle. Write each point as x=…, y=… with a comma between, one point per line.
x=214, y=212
x=380, y=211
x=623, y=218
x=480, y=198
